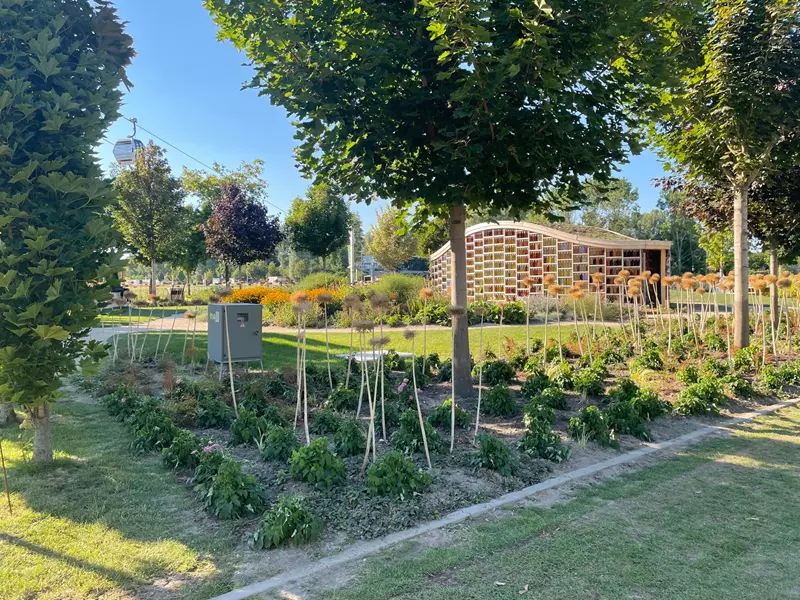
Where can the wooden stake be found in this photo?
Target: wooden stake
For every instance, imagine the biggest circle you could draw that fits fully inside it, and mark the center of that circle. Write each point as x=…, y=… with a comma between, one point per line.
x=230, y=360
x=5, y=478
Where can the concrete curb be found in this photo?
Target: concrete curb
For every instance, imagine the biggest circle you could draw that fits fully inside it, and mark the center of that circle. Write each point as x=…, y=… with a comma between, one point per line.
x=363, y=549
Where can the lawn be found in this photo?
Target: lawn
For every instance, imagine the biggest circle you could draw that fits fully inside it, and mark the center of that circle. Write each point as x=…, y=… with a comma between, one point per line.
x=119, y=316
x=101, y=520
x=280, y=348
x=717, y=521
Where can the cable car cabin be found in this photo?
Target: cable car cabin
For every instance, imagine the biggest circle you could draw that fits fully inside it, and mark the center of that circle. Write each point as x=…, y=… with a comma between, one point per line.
x=125, y=151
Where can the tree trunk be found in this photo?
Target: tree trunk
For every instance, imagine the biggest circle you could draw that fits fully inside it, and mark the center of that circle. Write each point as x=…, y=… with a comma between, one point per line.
x=42, y=438
x=324, y=264
x=227, y=276
x=7, y=414
x=462, y=375
x=153, y=267
x=741, y=245
x=774, y=269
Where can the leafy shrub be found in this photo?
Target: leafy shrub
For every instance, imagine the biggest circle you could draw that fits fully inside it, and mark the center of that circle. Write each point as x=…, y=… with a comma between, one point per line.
x=317, y=465
x=230, y=494
x=342, y=399
x=714, y=368
x=393, y=361
x=649, y=406
x=553, y=397
x=408, y=437
x=287, y=520
x=689, y=375
x=625, y=391
x=771, y=377
x=184, y=451
x=535, y=412
x=739, y=386
x=591, y=425
x=622, y=417
x=499, y=402
x=249, y=427
x=401, y=289
x=441, y=415
x=445, y=370
x=562, y=375
x=492, y=453
x=649, y=359
x=496, y=372
x=278, y=443
x=589, y=382
x=209, y=462
x=536, y=382
x=744, y=359
x=122, y=403
x=541, y=442
x=212, y=412
x=320, y=280
x=703, y=397
x=350, y=438
x=152, y=429
x=600, y=367
x=325, y=421
x=715, y=342
x=258, y=391
x=394, y=320
x=396, y=475
x=789, y=373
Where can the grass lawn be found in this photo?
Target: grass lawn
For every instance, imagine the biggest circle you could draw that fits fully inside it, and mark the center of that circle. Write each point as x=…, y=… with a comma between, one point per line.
x=101, y=521
x=119, y=316
x=717, y=521
x=280, y=348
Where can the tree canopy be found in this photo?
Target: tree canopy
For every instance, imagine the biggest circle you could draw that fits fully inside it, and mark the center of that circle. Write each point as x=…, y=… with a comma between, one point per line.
x=207, y=187
x=389, y=241
x=318, y=224
x=149, y=210
x=239, y=230
x=62, y=65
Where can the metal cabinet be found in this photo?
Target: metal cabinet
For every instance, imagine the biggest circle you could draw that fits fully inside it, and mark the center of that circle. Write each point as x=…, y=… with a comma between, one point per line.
x=243, y=327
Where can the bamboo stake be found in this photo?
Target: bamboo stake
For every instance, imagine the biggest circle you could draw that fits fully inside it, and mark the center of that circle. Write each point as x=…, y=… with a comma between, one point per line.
x=5, y=478
x=230, y=360
x=482, y=312
x=412, y=335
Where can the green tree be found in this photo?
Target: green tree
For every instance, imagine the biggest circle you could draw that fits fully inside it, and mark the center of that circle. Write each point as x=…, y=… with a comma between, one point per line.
x=318, y=224
x=389, y=240
x=190, y=246
x=149, y=211
x=735, y=110
x=612, y=205
x=62, y=65
x=442, y=105
x=207, y=187
x=684, y=232
x=432, y=235
x=719, y=250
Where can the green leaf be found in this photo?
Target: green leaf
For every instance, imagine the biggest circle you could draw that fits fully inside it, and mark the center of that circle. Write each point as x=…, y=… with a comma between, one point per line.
x=6, y=278
x=52, y=332
x=437, y=29
x=24, y=173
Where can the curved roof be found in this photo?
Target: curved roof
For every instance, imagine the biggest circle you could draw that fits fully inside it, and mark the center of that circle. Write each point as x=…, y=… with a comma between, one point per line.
x=578, y=234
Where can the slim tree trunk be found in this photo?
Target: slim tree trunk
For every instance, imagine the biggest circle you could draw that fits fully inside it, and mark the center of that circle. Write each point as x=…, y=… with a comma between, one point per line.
x=153, y=268
x=462, y=376
x=227, y=276
x=42, y=436
x=741, y=317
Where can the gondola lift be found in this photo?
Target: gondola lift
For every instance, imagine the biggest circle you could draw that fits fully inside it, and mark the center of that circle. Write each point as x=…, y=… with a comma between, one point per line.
x=126, y=149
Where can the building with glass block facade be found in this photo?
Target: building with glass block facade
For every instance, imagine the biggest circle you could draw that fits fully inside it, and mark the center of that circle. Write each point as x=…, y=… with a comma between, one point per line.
x=501, y=255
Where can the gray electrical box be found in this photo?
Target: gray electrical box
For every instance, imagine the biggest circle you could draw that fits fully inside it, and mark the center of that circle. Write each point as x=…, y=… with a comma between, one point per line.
x=244, y=327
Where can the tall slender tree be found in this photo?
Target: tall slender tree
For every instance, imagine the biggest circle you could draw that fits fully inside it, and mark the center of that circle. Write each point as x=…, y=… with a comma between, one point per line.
x=149, y=210
x=441, y=105
x=62, y=66
x=318, y=224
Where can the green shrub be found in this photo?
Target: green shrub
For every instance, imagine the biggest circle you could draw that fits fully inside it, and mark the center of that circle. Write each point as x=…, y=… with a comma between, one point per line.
x=715, y=342
x=589, y=382
x=553, y=397
x=739, y=386
x=496, y=372
x=350, y=439
x=402, y=289
x=408, y=438
x=249, y=427
x=317, y=465
x=152, y=429
x=744, y=359
x=212, y=412
x=625, y=391
x=393, y=361
x=287, y=520
x=342, y=399
x=445, y=370
x=499, y=402
x=541, y=442
x=440, y=416
x=714, y=368
x=622, y=417
x=278, y=443
x=703, y=397
x=396, y=475
x=789, y=373
x=562, y=374
x=771, y=377
x=122, y=403
x=649, y=406
x=258, y=392
x=591, y=425
x=320, y=280
x=184, y=451
x=689, y=375
x=325, y=421
x=536, y=382
x=535, y=412
x=230, y=494
x=649, y=359
x=492, y=453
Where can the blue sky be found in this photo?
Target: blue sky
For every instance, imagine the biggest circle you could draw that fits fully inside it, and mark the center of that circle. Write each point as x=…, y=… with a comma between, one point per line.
x=188, y=91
